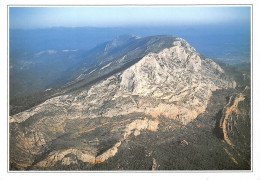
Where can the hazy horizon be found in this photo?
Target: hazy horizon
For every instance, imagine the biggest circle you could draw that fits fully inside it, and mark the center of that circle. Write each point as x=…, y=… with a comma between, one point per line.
x=126, y=16
x=219, y=32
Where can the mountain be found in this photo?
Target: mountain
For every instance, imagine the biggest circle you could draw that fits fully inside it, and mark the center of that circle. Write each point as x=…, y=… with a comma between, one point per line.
x=42, y=59
x=136, y=103
x=76, y=69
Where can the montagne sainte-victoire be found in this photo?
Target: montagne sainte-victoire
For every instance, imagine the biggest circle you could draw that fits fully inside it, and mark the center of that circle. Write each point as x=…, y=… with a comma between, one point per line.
x=150, y=103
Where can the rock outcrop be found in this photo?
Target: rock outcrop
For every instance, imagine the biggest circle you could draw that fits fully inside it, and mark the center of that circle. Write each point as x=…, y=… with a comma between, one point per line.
x=230, y=114
x=233, y=127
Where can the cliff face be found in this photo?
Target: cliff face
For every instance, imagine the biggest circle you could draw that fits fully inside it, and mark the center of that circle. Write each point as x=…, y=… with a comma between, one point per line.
x=179, y=78
x=89, y=125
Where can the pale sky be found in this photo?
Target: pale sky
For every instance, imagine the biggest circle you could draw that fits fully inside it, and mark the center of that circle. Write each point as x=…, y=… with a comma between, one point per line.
x=125, y=16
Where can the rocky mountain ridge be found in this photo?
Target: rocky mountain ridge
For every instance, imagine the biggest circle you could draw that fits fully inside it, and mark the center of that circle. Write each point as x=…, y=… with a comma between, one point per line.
x=90, y=124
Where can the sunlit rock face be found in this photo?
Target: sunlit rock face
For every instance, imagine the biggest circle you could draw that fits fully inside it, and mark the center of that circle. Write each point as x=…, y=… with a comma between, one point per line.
x=179, y=78
x=90, y=125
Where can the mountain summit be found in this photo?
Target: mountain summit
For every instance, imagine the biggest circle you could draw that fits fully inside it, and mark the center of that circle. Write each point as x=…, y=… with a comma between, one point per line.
x=134, y=85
